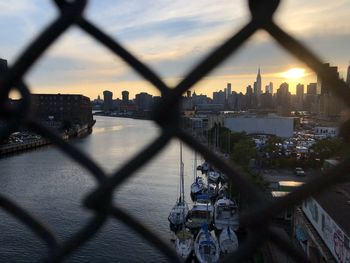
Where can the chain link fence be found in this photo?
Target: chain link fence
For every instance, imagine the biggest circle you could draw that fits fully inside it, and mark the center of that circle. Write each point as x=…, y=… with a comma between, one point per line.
x=257, y=220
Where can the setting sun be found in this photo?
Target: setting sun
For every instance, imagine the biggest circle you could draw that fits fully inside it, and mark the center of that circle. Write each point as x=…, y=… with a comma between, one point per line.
x=294, y=73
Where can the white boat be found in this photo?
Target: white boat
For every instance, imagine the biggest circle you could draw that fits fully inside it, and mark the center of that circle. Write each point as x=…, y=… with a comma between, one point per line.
x=205, y=167
x=184, y=243
x=226, y=214
x=206, y=246
x=212, y=191
x=198, y=186
x=199, y=214
x=228, y=241
x=213, y=176
x=178, y=213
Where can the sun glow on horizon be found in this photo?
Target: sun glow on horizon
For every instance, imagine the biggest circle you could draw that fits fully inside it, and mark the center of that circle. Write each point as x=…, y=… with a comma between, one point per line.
x=294, y=73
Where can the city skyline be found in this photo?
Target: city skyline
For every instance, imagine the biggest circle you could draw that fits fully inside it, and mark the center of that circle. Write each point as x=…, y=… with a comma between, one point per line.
x=172, y=38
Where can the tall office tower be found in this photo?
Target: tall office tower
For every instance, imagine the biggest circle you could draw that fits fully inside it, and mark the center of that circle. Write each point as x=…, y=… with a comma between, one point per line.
x=312, y=89
x=108, y=100
x=228, y=90
x=258, y=83
x=348, y=76
x=271, y=87
x=249, y=90
x=283, y=99
x=188, y=94
x=125, y=97
x=322, y=87
x=255, y=89
x=299, y=96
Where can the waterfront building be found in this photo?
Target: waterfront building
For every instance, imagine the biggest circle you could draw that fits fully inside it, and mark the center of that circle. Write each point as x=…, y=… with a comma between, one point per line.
x=125, y=97
x=108, y=100
x=59, y=110
x=144, y=101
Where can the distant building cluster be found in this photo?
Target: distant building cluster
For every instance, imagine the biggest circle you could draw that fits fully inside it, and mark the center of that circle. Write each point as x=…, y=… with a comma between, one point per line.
x=140, y=106
x=316, y=99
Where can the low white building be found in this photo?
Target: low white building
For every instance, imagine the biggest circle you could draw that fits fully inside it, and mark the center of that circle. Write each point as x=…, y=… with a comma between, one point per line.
x=255, y=124
x=326, y=131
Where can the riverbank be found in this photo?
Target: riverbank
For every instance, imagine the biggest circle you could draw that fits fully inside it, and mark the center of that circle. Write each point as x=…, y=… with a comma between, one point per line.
x=146, y=115
x=17, y=147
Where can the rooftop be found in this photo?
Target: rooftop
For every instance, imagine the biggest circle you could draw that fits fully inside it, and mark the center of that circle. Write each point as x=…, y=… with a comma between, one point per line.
x=336, y=202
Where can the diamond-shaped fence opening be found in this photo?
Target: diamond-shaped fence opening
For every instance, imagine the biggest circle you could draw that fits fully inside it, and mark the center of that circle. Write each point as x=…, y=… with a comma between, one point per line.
x=166, y=115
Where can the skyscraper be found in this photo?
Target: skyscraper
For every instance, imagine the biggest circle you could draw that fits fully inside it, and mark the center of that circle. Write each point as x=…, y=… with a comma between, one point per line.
x=300, y=96
x=228, y=90
x=271, y=87
x=258, y=83
x=322, y=87
x=125, y=97
x=312, y=89
x=108, y=100
x=249, y=90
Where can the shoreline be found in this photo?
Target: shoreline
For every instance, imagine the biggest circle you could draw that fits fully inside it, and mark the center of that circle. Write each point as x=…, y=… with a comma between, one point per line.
x=16, y=148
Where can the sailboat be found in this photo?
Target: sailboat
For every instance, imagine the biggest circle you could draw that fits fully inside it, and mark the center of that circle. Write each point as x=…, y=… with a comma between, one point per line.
x=206, y=246
x=177, y=218
x=198, y=186
x=184, y=243
x=178, y=213
x=228, y=241
x=226, y=214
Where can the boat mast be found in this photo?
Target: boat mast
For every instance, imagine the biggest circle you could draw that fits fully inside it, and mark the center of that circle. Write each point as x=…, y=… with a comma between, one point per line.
x=195, y=166
x=182, y=183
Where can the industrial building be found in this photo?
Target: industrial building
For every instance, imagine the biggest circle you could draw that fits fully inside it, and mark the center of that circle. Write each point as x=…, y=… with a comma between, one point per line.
x=261, y=124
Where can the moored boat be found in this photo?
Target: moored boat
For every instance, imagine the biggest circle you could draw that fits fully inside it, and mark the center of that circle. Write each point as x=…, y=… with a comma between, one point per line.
x=206, y=246
x=228, y=241
x=184, y=243
x=199, y=214
x=226, y=214
x=178, y=213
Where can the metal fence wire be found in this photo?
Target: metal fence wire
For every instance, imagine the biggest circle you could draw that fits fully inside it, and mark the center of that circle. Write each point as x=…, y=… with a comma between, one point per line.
x=257, y=220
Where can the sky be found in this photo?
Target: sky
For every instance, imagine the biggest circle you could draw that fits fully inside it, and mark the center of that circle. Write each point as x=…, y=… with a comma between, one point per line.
x=171, y=37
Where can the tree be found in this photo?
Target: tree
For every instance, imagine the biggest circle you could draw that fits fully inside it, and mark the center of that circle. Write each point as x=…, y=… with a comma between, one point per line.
x=327, y=148
x=243, y=151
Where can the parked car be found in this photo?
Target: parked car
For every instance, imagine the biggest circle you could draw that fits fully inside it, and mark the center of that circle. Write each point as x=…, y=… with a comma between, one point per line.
x=299, y=171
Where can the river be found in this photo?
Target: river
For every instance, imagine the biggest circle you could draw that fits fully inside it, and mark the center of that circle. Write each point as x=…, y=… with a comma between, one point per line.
x=52, y=187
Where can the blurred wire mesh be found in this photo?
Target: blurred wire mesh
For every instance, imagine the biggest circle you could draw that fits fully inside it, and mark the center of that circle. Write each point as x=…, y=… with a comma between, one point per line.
x=257, y=220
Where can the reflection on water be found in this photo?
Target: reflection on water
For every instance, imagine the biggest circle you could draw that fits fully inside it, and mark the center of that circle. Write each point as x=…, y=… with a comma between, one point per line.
x=53, y=186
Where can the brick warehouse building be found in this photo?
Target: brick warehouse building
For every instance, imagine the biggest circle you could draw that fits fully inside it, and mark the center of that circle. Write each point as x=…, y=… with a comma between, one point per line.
x=62, y=109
